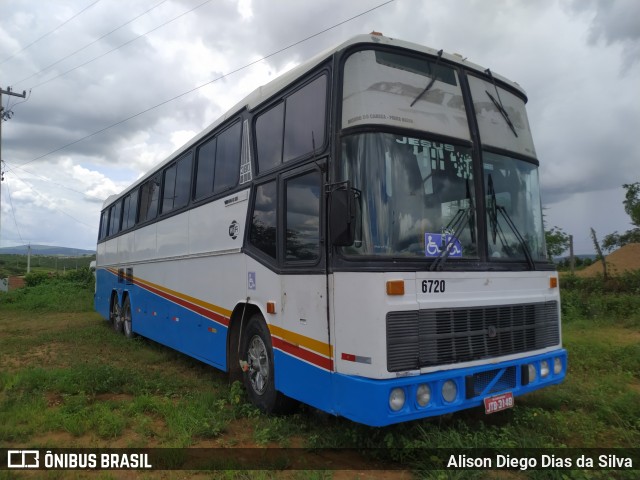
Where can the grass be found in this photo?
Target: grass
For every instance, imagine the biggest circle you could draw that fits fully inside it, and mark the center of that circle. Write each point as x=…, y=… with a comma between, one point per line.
x=66, y=379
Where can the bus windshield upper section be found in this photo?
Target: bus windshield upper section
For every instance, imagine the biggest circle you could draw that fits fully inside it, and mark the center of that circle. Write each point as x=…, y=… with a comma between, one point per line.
x=418, y=195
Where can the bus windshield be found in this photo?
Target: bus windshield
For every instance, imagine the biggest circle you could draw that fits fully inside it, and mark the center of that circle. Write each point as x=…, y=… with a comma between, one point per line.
x=416, y=196
x=513, y=209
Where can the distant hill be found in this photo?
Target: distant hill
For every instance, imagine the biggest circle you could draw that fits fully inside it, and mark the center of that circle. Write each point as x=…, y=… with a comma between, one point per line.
x=46, y=250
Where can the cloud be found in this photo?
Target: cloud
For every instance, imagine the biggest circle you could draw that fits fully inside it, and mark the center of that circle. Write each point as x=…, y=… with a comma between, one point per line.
x=614, y=21
x=577, y=61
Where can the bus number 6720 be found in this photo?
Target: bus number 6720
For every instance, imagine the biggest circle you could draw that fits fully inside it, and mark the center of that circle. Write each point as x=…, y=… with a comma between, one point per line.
x=433, y=286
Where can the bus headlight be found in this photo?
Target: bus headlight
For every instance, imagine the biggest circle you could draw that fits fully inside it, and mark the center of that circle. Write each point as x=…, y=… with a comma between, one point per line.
x=532, y=373
x=396, y=399
x=449, y=391
x=423, y=395
x=557, y=365
x=544, y=368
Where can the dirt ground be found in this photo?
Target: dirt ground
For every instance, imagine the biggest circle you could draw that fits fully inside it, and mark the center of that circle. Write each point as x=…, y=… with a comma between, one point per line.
x=625, y=258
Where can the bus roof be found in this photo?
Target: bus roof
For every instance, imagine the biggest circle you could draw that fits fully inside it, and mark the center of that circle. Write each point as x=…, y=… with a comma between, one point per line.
x=266, y=91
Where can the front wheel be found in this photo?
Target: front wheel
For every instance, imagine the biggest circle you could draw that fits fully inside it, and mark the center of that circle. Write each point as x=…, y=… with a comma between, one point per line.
x=256, y=353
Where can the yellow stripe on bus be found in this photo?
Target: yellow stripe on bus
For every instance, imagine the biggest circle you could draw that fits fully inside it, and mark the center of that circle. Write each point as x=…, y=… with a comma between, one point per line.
x=303, y=341
x=209, y=306
x=287, y=335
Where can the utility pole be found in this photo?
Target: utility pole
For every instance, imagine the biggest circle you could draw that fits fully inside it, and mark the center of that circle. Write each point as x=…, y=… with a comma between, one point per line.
x=4, y=116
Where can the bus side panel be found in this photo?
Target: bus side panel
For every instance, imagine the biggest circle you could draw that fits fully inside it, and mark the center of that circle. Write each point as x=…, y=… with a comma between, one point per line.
x=168, y=318
x=186, y=303
x=304, y=382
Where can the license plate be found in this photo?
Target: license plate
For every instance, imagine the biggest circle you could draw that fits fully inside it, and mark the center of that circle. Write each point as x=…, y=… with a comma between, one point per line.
x=498, y=402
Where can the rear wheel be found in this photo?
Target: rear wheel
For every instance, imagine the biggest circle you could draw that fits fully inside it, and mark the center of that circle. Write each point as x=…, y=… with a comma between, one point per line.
x=256, y=353
x=115, y=314
x=126, y=318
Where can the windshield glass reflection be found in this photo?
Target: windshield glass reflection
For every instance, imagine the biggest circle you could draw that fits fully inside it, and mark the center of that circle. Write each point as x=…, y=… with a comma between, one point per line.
x=513, y=196
x=413, y=190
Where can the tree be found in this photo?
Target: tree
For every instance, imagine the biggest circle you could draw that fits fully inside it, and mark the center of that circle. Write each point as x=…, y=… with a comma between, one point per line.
x=631, y=204
x=600, y=256
x=557, y=242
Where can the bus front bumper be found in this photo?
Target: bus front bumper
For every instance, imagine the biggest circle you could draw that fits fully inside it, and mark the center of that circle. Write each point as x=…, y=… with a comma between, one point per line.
x=385, y=402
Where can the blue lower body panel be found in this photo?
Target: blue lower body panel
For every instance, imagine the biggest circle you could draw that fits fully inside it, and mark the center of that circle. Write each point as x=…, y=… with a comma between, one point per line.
x=173, y=323
x=166, y=321
x=367, y=401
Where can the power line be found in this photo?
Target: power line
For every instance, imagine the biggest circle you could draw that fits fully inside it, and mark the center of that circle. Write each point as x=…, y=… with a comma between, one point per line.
x=48, y=180
x=119, y=47
x=205, y=84
x=49, y=33
x=92, y=43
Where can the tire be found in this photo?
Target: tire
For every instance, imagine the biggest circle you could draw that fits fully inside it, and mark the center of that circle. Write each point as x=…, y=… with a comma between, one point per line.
x=127, y=323
x=256, y=354
x=115, y=314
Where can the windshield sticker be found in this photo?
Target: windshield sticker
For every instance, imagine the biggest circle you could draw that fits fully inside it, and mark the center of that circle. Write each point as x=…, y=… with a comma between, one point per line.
x=436, y=243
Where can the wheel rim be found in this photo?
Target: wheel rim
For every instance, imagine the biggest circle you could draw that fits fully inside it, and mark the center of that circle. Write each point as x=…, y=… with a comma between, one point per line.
x=126, y=318
x=115, y=313
x=258, y=360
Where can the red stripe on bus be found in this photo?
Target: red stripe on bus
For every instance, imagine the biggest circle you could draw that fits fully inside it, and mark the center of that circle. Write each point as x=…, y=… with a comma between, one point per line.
x=191, y=306
x=303, y=354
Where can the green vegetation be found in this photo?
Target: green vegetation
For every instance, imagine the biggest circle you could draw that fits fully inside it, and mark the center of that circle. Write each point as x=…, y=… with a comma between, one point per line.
x=631, y=204
x=67, y=380
x=17, y=264
x=69, y=292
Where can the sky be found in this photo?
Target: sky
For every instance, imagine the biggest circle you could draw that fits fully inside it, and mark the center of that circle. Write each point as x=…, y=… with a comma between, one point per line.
x=100, y=76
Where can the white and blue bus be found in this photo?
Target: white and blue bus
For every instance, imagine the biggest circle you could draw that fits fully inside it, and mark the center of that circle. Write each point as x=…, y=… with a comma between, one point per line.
x=362, y=234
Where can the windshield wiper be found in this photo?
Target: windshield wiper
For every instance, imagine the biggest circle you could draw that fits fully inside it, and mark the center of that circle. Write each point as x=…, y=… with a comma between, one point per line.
x=430, y=84
x=523, y=242
x=496, y=230
x=457, y=222
x=498, y=103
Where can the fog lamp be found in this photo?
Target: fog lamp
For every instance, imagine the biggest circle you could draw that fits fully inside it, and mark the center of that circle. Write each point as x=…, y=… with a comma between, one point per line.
x=449, y=391
x=544, y=368
x=423, y=395
x=557, y=365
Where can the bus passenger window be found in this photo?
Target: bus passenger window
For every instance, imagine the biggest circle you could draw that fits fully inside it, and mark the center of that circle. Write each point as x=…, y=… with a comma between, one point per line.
x=303, y=217
x=129, y=210
x=204, y=168
x=104, y=223
x=269, y=128
x=177, y=180
x=227, y=169
x=149, y=193
x=264, y=221
x=305, y=119
x=114, y=218
x=168, y=193
x=183, y=181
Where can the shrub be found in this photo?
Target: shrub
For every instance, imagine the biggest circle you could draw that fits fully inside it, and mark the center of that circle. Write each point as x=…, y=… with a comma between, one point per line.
x=36, y=278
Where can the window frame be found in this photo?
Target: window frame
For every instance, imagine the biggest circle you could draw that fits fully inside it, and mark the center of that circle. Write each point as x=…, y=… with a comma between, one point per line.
x=281, y=99
x=284, y=180
x=280, y=264
x=212, y=194
x=152, y=215
x=185, y=157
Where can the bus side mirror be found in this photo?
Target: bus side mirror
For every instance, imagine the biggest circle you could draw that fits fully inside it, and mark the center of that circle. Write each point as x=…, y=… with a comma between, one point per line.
x=342, y=216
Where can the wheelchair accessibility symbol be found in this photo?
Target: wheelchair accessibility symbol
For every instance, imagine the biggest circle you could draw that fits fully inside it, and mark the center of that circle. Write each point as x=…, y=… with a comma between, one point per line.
x=434, y=243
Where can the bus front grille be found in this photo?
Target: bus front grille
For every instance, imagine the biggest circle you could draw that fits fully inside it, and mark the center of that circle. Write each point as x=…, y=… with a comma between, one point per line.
x=425, y=338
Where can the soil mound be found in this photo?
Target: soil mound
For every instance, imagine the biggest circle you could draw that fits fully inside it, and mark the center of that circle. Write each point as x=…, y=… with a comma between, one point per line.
x=625, y=258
